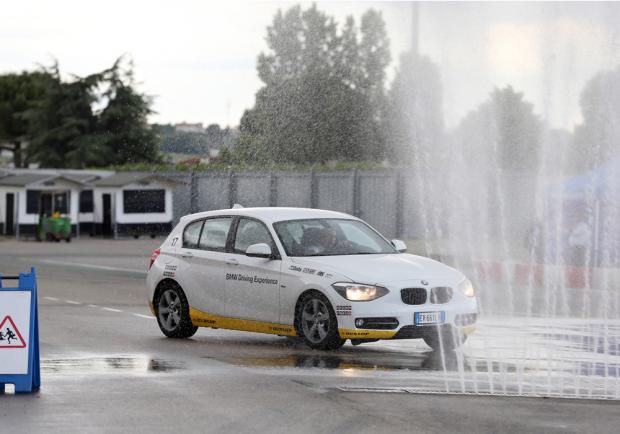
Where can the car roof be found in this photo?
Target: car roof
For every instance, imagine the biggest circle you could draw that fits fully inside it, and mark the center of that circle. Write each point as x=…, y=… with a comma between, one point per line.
x=272, y=214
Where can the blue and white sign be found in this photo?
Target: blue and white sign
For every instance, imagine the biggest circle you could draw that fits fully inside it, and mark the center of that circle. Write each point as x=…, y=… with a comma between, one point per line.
x=19, y=333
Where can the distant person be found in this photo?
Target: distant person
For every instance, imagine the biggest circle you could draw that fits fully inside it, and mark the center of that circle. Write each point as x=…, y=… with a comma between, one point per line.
x=533, y=241
x=579, y=242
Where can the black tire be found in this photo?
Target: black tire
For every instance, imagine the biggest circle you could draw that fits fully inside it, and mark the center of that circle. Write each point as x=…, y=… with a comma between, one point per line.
x=176, y=322
x=446, y=340
x=317, y=306
x=68, y=240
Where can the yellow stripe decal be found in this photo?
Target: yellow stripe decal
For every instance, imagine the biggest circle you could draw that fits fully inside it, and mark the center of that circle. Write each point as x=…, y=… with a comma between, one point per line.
x=366, y=334
x=204, y=319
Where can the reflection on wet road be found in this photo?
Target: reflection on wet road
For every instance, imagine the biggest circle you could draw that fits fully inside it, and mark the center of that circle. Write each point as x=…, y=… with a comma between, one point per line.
x=111, y=364
x=507, y=356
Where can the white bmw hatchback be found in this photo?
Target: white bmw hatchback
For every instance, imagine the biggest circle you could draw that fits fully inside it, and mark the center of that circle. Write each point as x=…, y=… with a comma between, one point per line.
x=320, y=275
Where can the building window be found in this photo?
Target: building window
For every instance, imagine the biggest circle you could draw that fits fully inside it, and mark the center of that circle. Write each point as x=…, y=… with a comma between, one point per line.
x=32, y=201
x=144, y=201
x=86, y=201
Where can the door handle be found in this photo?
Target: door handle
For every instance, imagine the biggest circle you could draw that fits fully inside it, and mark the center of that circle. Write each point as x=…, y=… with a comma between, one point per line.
x=232, y=261
x=187, y=254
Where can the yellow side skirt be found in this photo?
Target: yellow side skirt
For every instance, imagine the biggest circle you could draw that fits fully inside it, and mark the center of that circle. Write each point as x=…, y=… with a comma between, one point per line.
x=203, y=319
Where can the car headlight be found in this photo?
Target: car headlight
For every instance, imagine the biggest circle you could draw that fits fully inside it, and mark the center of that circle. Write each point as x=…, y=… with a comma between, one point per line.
x=359, y=291
x=467, y=288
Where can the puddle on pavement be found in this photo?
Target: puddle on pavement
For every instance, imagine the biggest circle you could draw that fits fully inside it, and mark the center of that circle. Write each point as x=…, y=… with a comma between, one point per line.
x=111, y=364
x=427, y=361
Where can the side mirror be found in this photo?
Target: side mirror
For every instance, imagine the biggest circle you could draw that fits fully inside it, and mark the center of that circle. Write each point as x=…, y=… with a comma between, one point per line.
x=399, y=245
x=260, y=250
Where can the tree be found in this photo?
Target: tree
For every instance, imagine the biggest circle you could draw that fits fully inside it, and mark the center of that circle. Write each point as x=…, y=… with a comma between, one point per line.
x=597, y=139
x=61, y=122
x=321, y=91
x=415, y=116
x=66, y=131
x=122, y=125
x=19, y=93
x=504, y=128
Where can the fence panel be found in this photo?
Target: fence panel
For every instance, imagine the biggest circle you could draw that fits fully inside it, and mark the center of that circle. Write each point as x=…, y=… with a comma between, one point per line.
x=253, y=189
x=378, y=201
x=335, y=191
x=413, y=219
x=181, y=198
x=213, y=191
x=294, y=189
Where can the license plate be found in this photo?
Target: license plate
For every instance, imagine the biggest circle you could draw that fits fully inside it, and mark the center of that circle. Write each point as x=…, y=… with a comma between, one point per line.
x=428, y=318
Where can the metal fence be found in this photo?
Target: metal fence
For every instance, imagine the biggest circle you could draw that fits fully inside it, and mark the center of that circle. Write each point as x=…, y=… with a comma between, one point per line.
x=376, y=196
x=397, y=202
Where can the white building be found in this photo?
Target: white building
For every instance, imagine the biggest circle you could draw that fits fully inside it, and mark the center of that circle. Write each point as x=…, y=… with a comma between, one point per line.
x=185, y=127
x=134, y=204
x=97, y=202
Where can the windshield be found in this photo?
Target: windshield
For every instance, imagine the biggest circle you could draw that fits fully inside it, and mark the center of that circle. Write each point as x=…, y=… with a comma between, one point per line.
x=330, y=237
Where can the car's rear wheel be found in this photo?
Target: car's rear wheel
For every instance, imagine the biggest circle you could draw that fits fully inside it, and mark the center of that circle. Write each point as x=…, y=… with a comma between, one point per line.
x=317, y=323
x=446, y=339
x=172, y=311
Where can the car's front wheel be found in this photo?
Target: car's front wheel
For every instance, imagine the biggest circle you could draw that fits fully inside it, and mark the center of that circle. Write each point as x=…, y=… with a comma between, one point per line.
x=172, y=310
x=317, y=323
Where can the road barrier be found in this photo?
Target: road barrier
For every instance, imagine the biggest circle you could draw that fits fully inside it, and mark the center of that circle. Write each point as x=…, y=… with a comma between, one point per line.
x=19, y=334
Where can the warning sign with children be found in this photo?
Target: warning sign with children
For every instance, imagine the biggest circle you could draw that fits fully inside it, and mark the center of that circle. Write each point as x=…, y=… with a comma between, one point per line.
x=10, y=337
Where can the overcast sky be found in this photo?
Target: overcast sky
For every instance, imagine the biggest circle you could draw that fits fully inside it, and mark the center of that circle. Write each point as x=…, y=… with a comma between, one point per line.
x=198, y=58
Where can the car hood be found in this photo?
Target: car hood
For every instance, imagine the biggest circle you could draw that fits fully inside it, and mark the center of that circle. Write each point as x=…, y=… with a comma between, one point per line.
x=382, y=269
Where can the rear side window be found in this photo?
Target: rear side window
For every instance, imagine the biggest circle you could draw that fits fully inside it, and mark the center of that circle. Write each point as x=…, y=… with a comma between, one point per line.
x=191, y=234
x=215, y=234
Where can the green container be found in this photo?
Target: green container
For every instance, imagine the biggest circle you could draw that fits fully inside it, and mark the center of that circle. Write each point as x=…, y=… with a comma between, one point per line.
x=54, y=229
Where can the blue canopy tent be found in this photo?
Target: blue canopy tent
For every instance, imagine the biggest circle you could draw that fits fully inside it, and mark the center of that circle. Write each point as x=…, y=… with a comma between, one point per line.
x=594, y=199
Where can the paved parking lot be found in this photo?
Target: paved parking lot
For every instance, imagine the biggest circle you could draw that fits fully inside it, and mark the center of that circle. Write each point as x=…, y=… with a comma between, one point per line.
x=106, y=367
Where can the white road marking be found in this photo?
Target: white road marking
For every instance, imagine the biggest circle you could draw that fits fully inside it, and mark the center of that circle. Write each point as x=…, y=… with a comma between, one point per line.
x=109, y=309
x=92, y=266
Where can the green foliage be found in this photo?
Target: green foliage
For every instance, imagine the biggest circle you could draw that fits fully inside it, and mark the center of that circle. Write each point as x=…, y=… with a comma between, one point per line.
x=239, y=166
x=504, y=127
x=323, y=94
x=414, y=114
x=214, y=137
x=64, y=129
x=19, y=93
x=596, y=139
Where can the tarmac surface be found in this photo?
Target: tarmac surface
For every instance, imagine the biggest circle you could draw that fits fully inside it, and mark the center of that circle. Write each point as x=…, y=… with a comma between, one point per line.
x=106, y=367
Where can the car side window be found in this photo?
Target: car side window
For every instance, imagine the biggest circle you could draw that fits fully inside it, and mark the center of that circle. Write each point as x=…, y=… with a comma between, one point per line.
x=191, y=234
x=251, y=232
x=215, y=234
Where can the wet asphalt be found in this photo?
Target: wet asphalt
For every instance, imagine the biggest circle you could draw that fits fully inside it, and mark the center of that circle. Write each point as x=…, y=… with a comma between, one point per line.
x=107, y=368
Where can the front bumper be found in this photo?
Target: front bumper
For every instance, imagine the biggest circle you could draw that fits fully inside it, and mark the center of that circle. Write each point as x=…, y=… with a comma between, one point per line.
x=460, y=315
